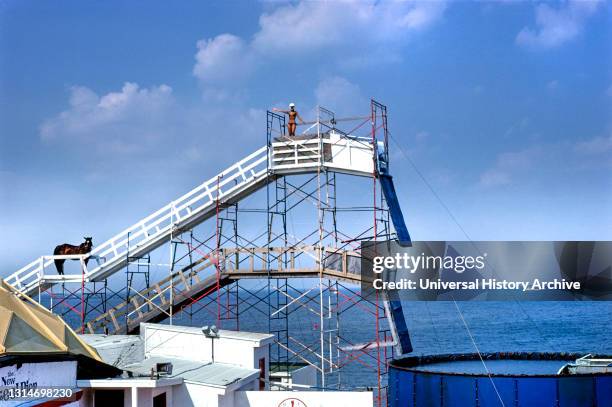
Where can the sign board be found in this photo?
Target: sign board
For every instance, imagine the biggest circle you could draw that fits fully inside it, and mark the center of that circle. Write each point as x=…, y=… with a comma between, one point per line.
x=303, y=398
x=35, y=376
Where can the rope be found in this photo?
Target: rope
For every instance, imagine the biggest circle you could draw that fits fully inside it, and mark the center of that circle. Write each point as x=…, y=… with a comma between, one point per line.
x=342, y=119
x=446, y=208
x=433, y=326
x=450, y=214
x=431, y=189
x=478, y=351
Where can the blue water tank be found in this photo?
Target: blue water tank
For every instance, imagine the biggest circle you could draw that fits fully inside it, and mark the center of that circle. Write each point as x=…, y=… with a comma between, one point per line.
x=505, y=379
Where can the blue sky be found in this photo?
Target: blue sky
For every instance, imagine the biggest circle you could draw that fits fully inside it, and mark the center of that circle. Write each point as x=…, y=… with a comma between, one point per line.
x=108, y=110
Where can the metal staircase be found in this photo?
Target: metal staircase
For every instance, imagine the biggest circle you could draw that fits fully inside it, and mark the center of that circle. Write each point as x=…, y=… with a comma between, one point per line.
x=311, y=153
x=182, y=288
x=321, y=150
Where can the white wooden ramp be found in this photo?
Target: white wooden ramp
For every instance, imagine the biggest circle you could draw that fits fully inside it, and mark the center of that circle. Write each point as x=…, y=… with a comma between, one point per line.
x=330, y=151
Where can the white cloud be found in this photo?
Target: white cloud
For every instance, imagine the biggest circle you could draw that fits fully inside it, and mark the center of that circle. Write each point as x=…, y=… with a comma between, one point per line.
x=340, y=95
x=346, y=29
x=122, y=121
x=223, y=58
x=422, y=136
x=556, y=26
x=596, y=145
x=309, y=26
x=508, y=165
x=146, y=128
x=494, y=177
x=535, y=162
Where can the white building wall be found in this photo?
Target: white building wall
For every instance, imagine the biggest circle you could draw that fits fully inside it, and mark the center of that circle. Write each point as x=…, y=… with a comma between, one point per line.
x=197, y=347
x=306, y=375
x=236, y=352
x=309, y=398
x=258, y=353
x=196, y=395
x=188, y=394
x=167, y=390
x=160, y=342
x=250, y=386
x=351, y=154
x=145, y=396
x=227, y=400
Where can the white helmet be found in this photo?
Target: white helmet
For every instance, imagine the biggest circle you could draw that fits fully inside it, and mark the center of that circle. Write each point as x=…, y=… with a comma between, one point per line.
x=291, y=104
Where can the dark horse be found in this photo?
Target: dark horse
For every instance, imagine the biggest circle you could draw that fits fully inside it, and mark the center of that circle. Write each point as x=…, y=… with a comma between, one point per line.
x=66, y=248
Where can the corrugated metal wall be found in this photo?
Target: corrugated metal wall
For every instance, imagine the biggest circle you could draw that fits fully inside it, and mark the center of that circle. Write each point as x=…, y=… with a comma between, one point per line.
x=407, y=388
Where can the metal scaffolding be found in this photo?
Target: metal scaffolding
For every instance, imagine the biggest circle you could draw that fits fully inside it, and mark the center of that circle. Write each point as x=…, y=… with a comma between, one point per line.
x=217, y=277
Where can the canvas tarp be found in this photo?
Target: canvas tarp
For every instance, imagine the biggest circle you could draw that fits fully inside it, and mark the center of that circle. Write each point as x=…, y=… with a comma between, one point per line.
x=28, y=328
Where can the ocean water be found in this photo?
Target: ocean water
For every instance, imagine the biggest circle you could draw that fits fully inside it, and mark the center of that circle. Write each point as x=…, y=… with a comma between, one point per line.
x=435, y=328
x=506, y=367
x=438, y=328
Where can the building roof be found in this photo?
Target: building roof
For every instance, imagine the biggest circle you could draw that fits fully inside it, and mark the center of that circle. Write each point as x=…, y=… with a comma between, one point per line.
x=117, y=350
x=255, y=337
x=210, y=374
x=27, y=328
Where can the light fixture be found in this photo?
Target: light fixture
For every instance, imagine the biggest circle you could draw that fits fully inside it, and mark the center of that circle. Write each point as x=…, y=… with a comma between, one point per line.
x=210, y=331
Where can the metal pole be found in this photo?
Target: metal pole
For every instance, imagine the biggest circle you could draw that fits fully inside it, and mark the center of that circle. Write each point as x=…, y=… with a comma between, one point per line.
x=171, y=306
x=82, y=297
x=127, y=284
x=320, y=254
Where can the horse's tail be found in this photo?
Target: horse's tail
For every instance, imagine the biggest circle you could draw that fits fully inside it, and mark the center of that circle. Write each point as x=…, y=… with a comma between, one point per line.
x=58, y=249
x=59, y=265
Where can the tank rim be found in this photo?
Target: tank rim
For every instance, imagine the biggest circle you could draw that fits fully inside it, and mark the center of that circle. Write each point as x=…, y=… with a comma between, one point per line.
x=411, y=363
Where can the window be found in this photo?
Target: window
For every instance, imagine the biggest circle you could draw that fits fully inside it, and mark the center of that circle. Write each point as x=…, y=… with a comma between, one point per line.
x=262, y=374
x=159, y=400
x=108, y=398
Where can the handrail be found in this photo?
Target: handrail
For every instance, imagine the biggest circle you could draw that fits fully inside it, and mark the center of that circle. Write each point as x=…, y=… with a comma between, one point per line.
x=159, y=222
x=180, y=282
x=305, y=155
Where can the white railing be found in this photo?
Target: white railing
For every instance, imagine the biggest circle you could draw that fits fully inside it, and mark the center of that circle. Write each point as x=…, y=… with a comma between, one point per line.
x=29, y=274
x=339, y=153
x=157, y=226
x=335, y=151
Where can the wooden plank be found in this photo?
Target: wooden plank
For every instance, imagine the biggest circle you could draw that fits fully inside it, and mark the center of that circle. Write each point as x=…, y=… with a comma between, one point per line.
x=184, y=280
x=162, y=295
x=195, y=278
x=115, y=323
x=233, y=271
x=205, y=266
x=134, y=301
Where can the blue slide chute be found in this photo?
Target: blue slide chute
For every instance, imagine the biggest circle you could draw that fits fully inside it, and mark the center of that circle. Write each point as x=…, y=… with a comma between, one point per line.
x=404, y=345
x=393, y=304
x=403, y=237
